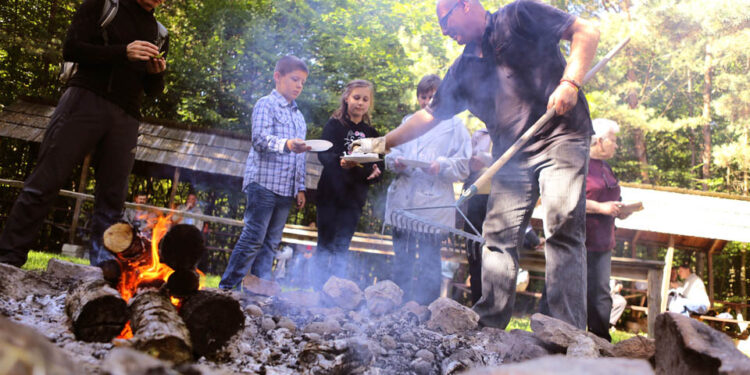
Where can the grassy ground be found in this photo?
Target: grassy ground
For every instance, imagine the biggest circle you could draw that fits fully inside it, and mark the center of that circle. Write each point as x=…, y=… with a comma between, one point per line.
x=38, y=261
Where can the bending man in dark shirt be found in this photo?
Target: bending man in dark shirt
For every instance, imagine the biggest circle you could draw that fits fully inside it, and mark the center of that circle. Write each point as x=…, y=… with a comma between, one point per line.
x=98, y=112
x=510, y=72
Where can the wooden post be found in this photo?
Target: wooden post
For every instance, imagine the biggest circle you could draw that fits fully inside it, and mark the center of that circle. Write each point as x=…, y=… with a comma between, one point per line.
x=79, y=201
x=711, y=252
x=655, y=297
x=665, y=276
x=175, y=182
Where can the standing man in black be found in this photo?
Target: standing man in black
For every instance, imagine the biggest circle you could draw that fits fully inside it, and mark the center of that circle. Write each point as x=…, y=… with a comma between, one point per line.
x=98, y=112
x=510, y=72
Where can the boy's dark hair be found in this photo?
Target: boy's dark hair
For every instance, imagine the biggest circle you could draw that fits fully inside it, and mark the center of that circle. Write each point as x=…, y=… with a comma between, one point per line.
x=288, y=64
x=428, y=83
x=685, y=265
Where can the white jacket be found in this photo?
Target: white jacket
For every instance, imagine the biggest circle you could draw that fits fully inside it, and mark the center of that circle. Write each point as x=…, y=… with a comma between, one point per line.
x=449, y=144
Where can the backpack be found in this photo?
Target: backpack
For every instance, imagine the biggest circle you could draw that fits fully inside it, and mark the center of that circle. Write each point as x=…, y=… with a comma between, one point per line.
x=109, y=11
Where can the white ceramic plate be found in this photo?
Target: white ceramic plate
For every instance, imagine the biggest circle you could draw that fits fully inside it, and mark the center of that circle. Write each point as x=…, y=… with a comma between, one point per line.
x=415, y=163
x=362, y=158
x=318, y=145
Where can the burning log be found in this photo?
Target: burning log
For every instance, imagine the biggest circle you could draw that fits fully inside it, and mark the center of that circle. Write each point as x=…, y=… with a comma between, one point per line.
x=182, y=247
x=96, y=311
x=157, y=328
x=212, y=318
x=183, y=283
x=123, y=240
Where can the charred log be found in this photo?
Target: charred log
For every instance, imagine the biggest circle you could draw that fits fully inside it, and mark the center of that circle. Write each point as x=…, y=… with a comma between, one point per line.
x=123, y=240
x=157, y=328
x=183, y=282
x=96, y=311
x=182, y=247
x=213, y=318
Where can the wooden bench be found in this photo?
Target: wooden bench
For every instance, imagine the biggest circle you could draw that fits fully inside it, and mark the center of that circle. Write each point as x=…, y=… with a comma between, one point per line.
x=721, y=323
x=626, y=269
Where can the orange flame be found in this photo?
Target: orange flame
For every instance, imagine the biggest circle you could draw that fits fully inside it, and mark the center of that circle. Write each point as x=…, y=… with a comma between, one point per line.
x=148, y=269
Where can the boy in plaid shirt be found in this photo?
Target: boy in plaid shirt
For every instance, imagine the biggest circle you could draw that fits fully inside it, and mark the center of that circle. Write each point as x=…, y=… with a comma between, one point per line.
x=274, y=173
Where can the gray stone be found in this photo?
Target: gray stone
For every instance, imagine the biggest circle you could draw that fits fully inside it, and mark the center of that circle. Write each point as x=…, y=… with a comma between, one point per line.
x=256, y=285
x=426, y=355
x=65, y=270
x=126, y=361
x=351, y=327
x=557, y=332
x=267, y=323
x=422, y=312
x=323, y=328
x=686, y=346
x=383, y=297
x=287, y=323
x=18, y=284
x=421, y=367
x=388, y=342
x=515, y=345
x=253, y=310
x=342, y=293
x=408, y=337
x=23, y=350
x=562, y=365
x=583, y=347
x=636, y=347
x=449, y=316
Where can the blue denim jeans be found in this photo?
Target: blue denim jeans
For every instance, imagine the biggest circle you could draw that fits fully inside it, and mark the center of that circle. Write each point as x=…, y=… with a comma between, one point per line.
x=558, y=176
x=336, y=226
x=265, y=216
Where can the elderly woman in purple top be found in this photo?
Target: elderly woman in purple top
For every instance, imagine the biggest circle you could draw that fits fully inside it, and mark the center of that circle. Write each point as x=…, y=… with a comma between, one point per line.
x=602, y=207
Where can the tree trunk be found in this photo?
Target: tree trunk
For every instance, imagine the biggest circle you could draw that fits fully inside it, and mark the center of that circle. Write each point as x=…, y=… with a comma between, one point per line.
x=708, y=74
x=639, y=138
x=212, y=318
x=157, y=327
x=96, y=311
x=123, y=240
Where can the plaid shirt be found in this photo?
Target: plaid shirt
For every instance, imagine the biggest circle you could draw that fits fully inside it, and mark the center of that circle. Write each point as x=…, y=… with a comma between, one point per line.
x=274, y=122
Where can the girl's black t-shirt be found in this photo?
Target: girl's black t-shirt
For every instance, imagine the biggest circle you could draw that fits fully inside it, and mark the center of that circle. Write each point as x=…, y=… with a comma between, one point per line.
x=338, y=186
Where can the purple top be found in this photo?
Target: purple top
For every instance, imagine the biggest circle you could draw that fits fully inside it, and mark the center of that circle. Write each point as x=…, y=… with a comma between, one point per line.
x=601, y=186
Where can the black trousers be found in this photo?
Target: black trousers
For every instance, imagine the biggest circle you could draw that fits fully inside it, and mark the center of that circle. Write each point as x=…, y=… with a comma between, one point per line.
x=82, y=122
x=475, y=212
x=598, y=297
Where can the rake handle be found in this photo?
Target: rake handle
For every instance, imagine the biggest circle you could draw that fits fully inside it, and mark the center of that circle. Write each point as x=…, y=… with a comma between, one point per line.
x=484, y=180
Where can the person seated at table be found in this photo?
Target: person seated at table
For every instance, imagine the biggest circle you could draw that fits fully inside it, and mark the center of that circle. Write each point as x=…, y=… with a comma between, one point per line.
x=691, y=297
x=618, y=302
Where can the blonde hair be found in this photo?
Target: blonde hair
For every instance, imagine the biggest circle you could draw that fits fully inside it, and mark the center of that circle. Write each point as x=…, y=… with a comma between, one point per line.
x=342, y=112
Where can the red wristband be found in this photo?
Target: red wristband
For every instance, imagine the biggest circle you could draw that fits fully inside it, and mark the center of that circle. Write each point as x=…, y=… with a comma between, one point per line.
x=571, y=82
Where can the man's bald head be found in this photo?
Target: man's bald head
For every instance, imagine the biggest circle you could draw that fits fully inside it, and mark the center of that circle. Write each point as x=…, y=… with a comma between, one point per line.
x=462, y=20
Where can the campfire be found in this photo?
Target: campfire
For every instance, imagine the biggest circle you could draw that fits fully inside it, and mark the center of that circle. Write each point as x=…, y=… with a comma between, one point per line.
x=339, y=329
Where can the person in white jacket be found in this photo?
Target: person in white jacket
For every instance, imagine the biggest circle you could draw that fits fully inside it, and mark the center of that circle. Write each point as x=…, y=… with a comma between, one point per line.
x=691, y=297
x=426, y=169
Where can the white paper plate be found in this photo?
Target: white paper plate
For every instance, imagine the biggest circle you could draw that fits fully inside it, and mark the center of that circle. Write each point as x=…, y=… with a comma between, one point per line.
x=415, y=163
x=362, y=158
x=318, y=145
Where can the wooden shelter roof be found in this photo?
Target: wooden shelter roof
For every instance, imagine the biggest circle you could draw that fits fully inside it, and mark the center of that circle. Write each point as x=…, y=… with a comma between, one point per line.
x=160, y=144
x=697, y=220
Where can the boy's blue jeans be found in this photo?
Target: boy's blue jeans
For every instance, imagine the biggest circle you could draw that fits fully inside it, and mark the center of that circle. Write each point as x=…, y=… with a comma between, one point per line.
x=265, y=216
x=558, y=176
